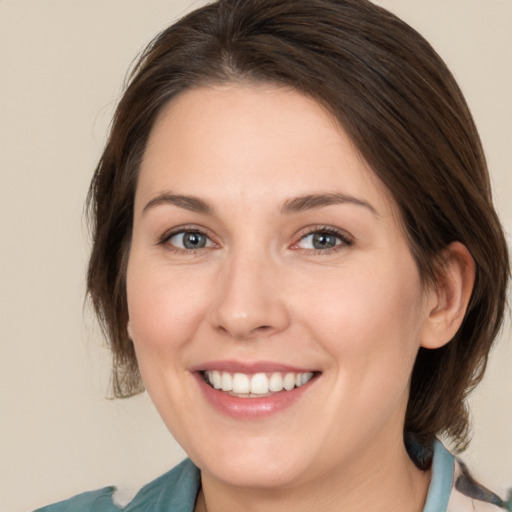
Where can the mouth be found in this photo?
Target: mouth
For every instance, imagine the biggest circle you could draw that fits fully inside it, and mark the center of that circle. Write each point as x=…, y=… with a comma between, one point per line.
x=255, y=385
x=253, y=390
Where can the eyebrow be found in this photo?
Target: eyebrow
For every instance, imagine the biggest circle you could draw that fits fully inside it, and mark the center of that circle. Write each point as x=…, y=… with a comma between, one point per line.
x=313, y=201
x=191, y=203
x=293, y=205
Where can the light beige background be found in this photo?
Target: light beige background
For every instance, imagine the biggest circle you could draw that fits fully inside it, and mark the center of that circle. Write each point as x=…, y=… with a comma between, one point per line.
x=62, y=63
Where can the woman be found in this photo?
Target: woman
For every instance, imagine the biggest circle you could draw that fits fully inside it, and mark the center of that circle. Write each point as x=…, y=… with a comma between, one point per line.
x=296, y=254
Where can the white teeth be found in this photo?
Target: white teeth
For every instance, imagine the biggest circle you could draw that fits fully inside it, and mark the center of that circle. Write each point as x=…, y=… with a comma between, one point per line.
x=305, y=378
x=289, y=381
x=241, y=383
x=258, y=383
x=216, y=378
x=276, y=382
x=226, y=381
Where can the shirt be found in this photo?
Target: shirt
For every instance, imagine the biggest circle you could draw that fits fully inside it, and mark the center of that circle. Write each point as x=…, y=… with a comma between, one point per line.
x=452, y=489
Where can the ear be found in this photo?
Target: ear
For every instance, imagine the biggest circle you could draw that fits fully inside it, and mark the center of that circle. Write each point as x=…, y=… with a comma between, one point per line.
x=129, y=330
x=448, y=300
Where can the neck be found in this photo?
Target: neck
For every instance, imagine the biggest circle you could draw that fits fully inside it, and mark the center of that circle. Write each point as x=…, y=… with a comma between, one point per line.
x=382, y=478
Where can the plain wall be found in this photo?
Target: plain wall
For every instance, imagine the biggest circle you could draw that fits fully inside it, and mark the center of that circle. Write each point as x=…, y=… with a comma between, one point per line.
x=62, y=65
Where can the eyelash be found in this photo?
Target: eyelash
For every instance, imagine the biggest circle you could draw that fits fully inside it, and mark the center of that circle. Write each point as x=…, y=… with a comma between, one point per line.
x=345, y=239
x=167, y=236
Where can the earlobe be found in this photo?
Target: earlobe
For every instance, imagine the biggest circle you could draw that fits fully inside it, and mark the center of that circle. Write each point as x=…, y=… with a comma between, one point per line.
x=129, y=330
x=451, y=296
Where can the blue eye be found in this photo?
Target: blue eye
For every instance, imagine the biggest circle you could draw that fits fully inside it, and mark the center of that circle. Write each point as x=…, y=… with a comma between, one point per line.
x=190, y=240
x=322, y=240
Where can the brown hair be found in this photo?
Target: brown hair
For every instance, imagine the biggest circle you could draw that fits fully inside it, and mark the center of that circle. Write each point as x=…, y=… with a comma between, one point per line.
x=404, y=112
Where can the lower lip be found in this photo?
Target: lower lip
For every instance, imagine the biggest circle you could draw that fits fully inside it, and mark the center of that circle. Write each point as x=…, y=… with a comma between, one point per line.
x=250, y=408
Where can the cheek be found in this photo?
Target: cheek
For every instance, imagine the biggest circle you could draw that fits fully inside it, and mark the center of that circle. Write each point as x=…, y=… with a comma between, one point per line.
x=164, y=305
x=367, y=315
x=164, y=309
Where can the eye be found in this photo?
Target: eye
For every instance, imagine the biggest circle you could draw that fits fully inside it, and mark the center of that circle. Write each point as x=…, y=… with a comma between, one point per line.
x=189, y=240
x=322, y=240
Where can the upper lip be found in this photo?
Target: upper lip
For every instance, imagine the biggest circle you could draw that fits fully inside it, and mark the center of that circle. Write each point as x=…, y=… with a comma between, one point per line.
x=250, y=367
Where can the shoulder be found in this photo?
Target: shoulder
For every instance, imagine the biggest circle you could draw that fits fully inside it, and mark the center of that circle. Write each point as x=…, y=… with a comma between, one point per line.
x=469, y=495
x=175, y=490
x=87, y=501
x=453, y=489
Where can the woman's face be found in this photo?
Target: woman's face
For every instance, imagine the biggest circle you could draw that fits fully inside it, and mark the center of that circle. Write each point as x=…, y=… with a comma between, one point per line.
x=265, y=253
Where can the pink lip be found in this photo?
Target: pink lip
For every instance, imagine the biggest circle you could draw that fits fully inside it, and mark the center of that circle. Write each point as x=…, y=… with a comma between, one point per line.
x=250, y=408
x=248, y=367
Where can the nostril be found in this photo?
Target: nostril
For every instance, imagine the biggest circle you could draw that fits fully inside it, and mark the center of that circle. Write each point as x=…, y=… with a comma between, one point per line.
x=243, y=335
x=262, y=330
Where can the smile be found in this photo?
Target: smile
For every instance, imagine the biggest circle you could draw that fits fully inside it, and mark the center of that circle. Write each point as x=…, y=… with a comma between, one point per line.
x=253, y=390
x=256, y=385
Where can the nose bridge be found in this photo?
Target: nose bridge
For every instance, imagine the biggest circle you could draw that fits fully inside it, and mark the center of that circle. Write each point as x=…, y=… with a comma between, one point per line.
x=248, y=303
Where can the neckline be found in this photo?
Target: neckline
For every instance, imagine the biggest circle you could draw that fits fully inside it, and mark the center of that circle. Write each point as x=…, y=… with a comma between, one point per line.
x=178, y=489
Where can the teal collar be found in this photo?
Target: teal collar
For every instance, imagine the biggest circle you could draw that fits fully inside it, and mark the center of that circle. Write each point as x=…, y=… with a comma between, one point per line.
x=177, y=490
x=442, y=480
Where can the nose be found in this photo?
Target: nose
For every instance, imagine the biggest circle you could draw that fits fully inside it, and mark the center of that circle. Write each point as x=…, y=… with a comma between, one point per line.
x=249, y=302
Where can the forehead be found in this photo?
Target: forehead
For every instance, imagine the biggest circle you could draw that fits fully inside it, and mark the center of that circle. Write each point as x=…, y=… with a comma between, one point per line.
x=238, y=140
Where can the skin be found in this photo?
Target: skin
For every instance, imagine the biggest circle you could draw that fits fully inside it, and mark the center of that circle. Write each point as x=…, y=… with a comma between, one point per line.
x=259, y=290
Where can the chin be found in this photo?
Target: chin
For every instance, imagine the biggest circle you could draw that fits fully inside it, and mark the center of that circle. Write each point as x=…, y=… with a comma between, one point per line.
x=255, y=474
x=255, y=467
